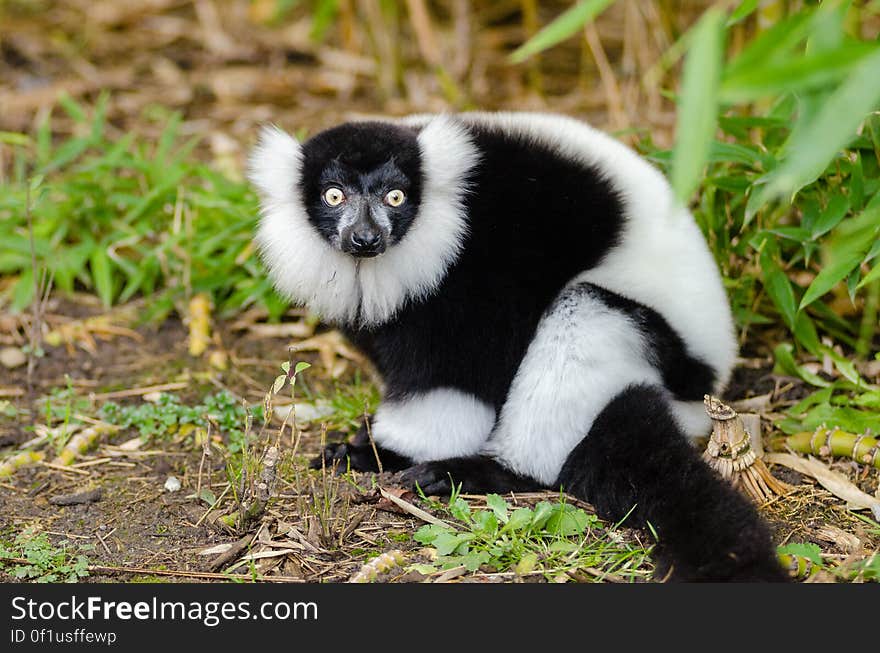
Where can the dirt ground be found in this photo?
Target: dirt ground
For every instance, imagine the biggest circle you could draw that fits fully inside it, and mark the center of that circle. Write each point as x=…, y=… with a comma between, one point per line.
x=321, y=527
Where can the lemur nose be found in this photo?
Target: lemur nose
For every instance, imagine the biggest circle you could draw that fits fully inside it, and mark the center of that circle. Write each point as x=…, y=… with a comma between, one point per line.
x=366, y=238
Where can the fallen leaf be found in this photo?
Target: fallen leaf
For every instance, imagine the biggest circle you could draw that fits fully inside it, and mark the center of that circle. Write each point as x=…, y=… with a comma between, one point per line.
x=216, y=550
x=847, y=542
x=832, y=481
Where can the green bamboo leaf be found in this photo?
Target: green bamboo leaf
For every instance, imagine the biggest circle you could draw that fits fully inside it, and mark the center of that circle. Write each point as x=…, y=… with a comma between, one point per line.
x=827, y=30
x=796, y=73
x=845, y=367
x=780, y=38
x=852, y=281
x=837, y=207
x=560, y=28
x=831, y=129
x=805, y=333
x=778, y=286
x=829, y=277
x=873, y=253
x=697, y=104
x=872, y=276
x=797, y=234
x=786, y=364
x=748, y=155
x=102, y=274
x=745, y=9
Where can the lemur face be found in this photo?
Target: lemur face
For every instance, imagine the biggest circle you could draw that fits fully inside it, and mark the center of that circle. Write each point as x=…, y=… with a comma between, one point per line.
x=361, y=186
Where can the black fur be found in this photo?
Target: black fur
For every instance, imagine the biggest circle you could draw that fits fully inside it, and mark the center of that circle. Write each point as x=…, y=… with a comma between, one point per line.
x=501, y=278
x=535, y=220
x=359, y=454
x=372, y=157
x=686, y=376
x=636, y=458
x=472, y=473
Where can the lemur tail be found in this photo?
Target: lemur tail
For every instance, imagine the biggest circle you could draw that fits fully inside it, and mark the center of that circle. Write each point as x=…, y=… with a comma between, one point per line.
x=636, y=455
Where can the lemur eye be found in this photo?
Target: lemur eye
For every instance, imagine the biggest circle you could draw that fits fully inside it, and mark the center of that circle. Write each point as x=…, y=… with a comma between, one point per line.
x=395, y=197
x=334, y=196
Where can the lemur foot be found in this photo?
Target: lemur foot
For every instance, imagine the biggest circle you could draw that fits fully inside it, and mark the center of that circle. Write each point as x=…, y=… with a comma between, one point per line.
x=358, y=457
x=473, y=474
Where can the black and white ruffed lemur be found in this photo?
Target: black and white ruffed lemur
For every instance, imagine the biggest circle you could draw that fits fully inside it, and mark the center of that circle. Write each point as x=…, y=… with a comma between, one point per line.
x=542, y=310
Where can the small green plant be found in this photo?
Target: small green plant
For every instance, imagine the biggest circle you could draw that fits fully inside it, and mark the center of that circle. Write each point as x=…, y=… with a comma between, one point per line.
x=167, y=415
x=61, y=404
x=805, y=560
x=552, y=538
x=351, y=402
x=45, y=563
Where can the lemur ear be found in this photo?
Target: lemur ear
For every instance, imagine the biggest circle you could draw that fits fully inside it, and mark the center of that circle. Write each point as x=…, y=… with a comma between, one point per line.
x=275, y=164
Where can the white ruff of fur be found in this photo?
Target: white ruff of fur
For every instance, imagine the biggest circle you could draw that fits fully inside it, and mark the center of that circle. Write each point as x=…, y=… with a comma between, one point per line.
x=441, y=423
x=662, y=261
x=336, y=286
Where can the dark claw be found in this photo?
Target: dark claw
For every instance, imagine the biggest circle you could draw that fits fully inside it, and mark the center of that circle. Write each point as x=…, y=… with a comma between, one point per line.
x=473, y=474
x=431, y=477
x=336, y=452
x=359, y=457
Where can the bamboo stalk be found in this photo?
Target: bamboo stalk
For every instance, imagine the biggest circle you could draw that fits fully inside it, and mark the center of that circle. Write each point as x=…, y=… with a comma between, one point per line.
x=823, y=441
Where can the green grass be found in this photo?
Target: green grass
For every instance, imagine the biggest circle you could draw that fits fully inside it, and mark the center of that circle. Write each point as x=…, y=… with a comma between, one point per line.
x=127, y=216
x=789, y=194
x=551, y=539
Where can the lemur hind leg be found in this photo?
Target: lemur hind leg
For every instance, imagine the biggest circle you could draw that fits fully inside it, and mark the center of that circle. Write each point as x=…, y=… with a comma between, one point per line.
x=635, y=457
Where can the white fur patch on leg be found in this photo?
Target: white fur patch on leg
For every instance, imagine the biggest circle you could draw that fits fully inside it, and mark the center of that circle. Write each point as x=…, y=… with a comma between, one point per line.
x=692, y=418
x=438, y=424
x=582, y=356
